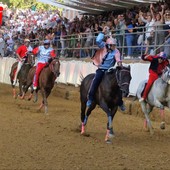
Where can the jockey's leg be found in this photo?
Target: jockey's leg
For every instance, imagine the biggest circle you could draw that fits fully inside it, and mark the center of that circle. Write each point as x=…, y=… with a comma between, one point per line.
x=39, y=67
x=94, y=86
x=152, y=78
x=20, y=63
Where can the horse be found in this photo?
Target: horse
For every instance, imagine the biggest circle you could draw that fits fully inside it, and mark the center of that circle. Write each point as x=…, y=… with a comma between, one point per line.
x=22, y=75
x=114, y=86
x=159, y=96
x=47, y=79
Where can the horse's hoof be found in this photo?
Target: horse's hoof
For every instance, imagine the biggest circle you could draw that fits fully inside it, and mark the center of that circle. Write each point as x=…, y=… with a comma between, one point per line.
x=108, y=141
x=151, y=132
x=85, y=134
x=15, y=97
x=162, y=125
x=111, y=135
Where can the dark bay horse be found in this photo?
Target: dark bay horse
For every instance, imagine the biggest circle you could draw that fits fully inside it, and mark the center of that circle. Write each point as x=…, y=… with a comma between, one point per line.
x=159, y=96
x=22, y=75
x=114, y=85
x=46, y=82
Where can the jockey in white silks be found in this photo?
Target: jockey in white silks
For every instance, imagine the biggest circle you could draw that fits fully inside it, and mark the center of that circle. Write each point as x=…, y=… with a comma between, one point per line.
x=44, y=53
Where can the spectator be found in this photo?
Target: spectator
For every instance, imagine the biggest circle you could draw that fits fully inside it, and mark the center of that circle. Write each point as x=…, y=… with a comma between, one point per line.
x=129, y=38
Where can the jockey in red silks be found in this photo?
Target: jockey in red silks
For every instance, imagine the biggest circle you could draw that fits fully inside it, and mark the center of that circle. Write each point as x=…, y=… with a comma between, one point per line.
x=158, y=63
x=21, y=53
x=44, y=54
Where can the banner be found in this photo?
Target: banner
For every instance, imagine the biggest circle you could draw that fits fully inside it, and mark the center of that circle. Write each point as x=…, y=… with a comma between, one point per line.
x=1, y=13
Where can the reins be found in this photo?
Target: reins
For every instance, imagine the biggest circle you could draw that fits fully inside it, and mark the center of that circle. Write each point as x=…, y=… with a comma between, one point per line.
x=119, y=78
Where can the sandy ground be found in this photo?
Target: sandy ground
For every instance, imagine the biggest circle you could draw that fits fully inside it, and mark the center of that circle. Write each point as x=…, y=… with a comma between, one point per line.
x=31, y=140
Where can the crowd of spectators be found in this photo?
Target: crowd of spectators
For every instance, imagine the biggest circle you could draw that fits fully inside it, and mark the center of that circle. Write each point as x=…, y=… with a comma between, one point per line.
x=136, y=30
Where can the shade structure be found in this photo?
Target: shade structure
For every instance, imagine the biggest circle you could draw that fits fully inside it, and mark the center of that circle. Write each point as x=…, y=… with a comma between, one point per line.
x=97, y=6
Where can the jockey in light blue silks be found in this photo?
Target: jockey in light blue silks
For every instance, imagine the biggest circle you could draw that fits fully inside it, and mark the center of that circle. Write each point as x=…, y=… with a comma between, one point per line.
x=105, y=58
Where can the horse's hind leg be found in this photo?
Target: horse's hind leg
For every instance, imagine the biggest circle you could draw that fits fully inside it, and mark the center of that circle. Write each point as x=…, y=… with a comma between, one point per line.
x=84, y=117
x=162, y=114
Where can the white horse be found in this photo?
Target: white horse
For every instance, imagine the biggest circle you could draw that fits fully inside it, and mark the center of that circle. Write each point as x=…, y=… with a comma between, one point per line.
x=159, y=96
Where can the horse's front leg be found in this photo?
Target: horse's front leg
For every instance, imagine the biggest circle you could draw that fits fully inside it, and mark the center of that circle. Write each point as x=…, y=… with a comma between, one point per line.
x=45, y=94
x=146, y=113
x=162, y=114
x=14, y=92
x=110, y=115
x=20, y=90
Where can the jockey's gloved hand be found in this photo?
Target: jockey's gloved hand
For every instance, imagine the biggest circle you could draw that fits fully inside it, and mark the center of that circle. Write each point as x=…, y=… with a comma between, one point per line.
x=143, y=56
x=50, y=60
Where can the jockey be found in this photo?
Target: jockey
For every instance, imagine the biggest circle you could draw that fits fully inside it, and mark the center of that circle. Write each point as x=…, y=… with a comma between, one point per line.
x=44, y=53
x=111, y=55
x=21, y=54
x=158, y=63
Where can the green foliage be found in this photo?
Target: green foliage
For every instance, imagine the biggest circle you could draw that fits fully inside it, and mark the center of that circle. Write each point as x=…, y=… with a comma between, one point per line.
x=25, y=4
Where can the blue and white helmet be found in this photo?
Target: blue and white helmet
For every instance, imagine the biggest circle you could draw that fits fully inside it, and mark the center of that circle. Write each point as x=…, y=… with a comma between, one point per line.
x=46, y=42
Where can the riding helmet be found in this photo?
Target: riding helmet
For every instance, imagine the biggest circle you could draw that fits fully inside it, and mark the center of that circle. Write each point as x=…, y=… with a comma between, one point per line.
x=46, y=42
x=111, y=41
x=162, y=55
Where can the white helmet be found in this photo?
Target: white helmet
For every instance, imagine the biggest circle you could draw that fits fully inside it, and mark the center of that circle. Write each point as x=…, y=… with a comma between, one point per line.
x=111, y=41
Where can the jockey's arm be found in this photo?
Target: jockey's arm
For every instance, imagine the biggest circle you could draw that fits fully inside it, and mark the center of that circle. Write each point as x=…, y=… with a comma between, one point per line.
x=53, y=54
x=99, y=40
x=35, y=50
x=117, y=58
x=146, y=57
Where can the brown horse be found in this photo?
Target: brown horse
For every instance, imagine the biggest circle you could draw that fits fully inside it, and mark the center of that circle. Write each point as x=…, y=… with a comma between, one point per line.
x=46, y=82
x=22, y=75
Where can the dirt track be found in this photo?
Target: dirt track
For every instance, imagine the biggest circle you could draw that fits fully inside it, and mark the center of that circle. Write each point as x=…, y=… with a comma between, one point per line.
x=31, y=140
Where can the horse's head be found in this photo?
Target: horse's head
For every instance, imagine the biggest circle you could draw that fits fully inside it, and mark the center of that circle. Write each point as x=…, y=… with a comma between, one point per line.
x=123, y=78
x=166, y=75
x=30, y=59
x=55, y=67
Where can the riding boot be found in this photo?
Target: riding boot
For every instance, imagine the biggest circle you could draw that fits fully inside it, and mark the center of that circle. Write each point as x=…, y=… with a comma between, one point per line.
x=94, y=86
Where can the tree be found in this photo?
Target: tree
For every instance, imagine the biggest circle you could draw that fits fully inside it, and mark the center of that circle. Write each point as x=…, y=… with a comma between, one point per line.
x=25, y=4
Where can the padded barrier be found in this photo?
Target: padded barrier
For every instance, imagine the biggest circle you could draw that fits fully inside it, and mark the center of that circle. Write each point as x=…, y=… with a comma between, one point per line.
x=72, y=72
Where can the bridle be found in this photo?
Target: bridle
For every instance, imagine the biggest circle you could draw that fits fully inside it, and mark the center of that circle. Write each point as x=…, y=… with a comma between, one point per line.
x=119, y=77
x=164, y=75
x=51, y=66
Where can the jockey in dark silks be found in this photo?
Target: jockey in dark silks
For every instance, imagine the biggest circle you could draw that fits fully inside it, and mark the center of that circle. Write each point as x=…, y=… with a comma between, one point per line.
x=110, y=55
x=158, y=63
